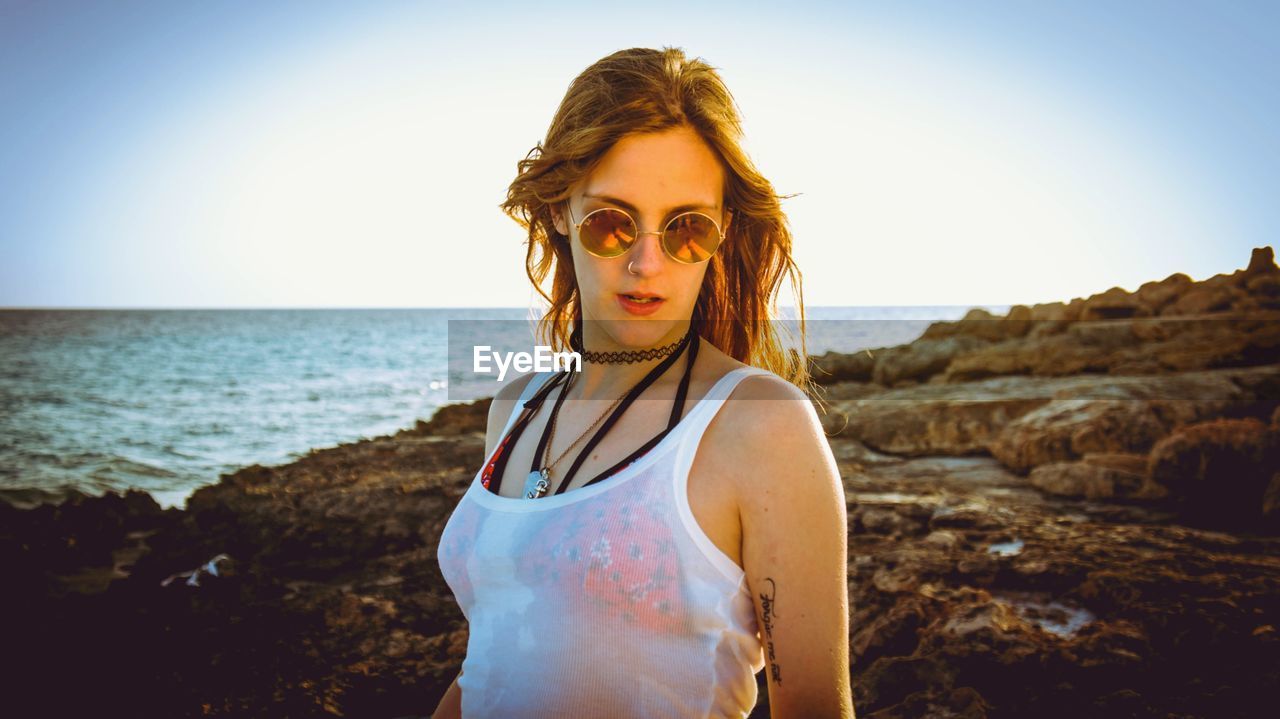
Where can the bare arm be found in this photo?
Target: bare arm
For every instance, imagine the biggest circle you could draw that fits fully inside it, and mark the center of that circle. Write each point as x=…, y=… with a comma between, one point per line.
x=794, y=547
x=450, y=706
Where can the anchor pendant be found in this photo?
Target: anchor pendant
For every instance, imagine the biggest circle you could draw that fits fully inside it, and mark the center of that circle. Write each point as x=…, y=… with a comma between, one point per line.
x=535, y=485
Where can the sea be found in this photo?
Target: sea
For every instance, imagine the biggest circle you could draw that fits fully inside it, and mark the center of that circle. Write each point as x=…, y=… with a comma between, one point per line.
x=168, y=400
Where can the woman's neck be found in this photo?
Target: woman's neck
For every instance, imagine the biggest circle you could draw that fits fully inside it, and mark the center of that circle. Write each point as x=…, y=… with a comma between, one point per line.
x=612, y=380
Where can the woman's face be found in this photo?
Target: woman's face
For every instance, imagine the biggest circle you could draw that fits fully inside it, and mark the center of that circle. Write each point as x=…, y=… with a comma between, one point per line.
x=654, y=177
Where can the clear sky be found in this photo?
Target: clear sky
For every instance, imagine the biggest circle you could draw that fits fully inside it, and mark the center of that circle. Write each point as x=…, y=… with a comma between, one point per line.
x=325, y=154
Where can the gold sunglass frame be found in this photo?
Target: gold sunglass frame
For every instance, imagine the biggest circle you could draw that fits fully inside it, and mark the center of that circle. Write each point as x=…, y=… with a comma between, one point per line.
x=577, y=226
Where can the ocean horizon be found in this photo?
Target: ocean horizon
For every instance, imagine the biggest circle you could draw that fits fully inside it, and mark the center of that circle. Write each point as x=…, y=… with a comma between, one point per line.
x=168, y=400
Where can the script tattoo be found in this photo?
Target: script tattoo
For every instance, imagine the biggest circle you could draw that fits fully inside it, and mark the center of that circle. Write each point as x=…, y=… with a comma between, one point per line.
x=770, y=613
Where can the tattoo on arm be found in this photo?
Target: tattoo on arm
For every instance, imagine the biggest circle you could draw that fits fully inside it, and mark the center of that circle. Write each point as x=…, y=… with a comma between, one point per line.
x=770, y=612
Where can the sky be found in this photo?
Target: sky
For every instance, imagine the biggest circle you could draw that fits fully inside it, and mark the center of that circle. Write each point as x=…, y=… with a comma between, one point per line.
x=325, y=154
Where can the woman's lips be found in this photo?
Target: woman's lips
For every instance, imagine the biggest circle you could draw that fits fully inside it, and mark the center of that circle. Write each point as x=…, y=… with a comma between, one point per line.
x=639, y=308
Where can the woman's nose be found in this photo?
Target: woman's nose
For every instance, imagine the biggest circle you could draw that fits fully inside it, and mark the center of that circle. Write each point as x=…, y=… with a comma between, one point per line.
x=646, y=256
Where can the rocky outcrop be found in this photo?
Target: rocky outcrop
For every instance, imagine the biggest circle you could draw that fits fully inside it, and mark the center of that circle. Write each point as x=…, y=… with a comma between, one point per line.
x=1219, y=469
x=325, y=599
x=1085, y=491
x=976, y=594
x=1118, y=373
x=1098, y=475
x=1174, y=325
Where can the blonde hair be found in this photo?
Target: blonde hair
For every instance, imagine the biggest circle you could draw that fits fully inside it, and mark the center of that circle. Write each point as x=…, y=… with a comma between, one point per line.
x=642, y=90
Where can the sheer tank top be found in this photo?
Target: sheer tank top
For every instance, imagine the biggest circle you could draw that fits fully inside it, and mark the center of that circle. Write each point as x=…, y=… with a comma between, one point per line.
x=607, y=600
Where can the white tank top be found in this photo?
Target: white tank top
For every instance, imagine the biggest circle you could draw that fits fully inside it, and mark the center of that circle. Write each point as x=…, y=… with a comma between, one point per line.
x=607, y=600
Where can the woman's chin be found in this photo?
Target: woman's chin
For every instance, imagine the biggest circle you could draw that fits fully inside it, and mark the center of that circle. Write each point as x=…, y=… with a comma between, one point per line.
x=638, y=333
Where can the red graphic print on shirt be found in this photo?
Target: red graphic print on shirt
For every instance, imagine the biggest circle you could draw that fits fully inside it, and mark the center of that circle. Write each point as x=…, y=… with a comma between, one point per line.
x=617, y=551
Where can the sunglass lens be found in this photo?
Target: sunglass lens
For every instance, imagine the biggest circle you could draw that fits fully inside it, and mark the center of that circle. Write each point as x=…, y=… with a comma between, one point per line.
x=692, y=238
x=607, y=233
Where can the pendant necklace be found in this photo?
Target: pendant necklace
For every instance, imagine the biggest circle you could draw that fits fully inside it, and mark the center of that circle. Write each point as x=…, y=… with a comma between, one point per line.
x=538, y=481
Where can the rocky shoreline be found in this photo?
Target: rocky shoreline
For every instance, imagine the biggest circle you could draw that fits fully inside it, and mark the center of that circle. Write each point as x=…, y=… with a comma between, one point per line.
x=1070, y=510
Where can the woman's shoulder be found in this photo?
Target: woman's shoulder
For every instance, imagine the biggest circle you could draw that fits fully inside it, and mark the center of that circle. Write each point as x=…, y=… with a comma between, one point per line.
x=760, y=411
x=767, y=431
x=765, y=385
x=765, y=403
x=760, y=405
x=511, y=389
x=760, y=384
x=503, y=404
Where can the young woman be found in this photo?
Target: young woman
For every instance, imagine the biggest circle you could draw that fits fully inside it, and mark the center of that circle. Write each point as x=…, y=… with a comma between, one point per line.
x=649, y=533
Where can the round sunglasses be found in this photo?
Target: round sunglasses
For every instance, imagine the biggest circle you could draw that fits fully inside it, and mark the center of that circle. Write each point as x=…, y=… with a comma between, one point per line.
x=689, y=238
